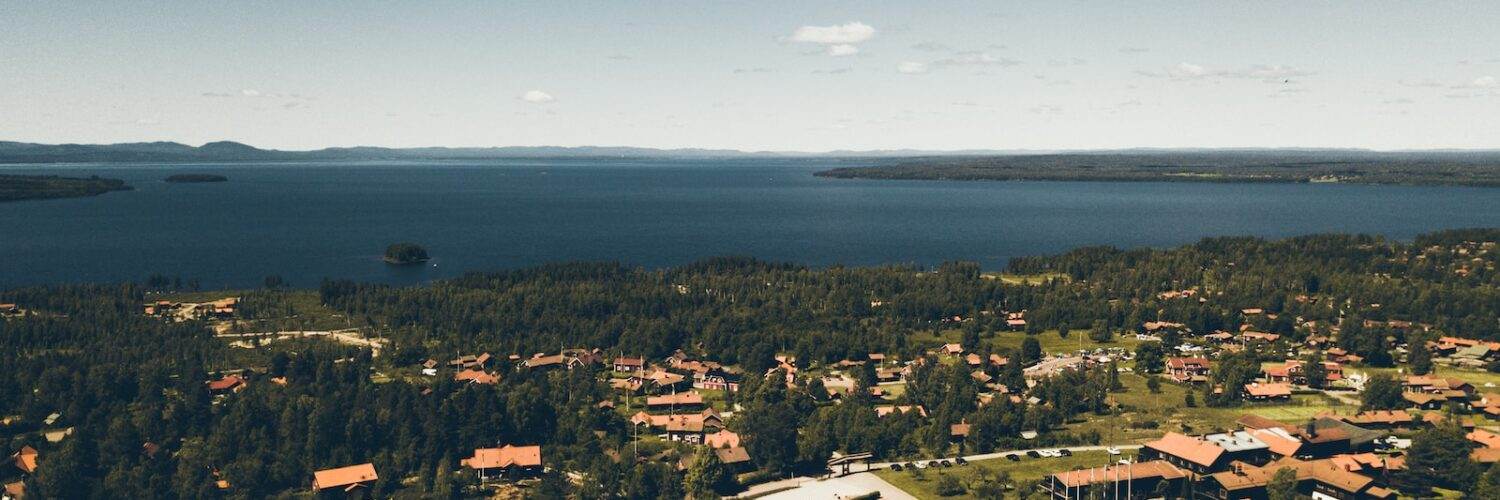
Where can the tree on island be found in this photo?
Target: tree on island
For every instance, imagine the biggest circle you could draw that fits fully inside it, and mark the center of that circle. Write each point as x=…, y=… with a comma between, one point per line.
x=405, y=253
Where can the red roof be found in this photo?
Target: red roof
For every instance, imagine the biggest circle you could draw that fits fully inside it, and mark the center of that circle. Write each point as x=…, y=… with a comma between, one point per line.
x=227, y=383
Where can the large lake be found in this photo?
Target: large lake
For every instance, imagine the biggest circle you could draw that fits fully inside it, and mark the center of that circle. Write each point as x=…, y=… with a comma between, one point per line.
x=314, y=220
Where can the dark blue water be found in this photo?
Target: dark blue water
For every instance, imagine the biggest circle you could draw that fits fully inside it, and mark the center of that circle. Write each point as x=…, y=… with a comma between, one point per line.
x=309, y=221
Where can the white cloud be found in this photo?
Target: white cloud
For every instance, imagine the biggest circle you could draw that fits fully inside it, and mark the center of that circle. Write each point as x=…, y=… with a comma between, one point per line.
x=842, y=49
x=537, y=97
x=911, y=67
x=848, y=33
x=250, y=93
x=1484, y=82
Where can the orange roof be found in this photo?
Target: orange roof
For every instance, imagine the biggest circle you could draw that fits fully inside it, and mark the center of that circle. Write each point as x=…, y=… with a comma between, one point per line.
x=16, y=489
x=26, y=459
x=1484, y=437
x=722, y=439
x=477, y=377
x=226, y=383
x=681, y=398
x=959, y=430
x=1268, y=390
x=1327, y=472
x=343, y=476
x=1188, y=448
x=504, y=456
x=1279, y=440
x=1485, y=455
x=1134, y=472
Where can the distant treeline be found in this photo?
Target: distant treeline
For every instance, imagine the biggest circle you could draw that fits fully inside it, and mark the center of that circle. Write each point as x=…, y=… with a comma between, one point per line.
x=1473, y=168
x=37, y=187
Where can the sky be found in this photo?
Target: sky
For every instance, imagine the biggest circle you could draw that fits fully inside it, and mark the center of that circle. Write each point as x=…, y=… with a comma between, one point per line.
x=763, y=75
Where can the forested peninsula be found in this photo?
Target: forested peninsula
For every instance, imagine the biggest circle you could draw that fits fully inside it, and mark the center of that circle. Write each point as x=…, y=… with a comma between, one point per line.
x=1462, y=168
x=40, y=187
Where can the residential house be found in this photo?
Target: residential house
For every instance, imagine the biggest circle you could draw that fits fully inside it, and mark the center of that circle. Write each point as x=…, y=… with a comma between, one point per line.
x=471, y=362
x=1316, y=478
x=227, y=384
x=1256, y=391
x=681, y=400
x=351, y=481
x=476, y=376
x=506, y=462
x=25, y=459
x=1195, y=455
x=629, y=364
x=1188, y=370
x=1293, y=371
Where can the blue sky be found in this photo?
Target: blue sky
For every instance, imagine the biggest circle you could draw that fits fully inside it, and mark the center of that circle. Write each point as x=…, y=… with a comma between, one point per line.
x=755, y=75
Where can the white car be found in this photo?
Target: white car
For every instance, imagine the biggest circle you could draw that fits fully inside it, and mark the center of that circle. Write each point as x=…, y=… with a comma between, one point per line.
x=1112, y=450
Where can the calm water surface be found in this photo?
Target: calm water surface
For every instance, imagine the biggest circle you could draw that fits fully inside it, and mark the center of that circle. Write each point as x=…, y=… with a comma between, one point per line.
x=314, y=220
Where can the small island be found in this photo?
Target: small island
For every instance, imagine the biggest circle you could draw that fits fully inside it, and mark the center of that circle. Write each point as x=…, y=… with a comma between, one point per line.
x=42, y=187
x=196, y=178
x=405, y=254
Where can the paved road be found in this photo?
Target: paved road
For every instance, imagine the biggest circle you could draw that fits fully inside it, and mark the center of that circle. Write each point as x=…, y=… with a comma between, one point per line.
x=812, y=487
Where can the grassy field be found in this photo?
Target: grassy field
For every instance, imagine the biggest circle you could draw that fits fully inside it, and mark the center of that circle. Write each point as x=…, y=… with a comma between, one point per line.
x=1026, y=279
x=1026, y=469
x=1050, y=340
x=1170, y=413
x=1483, y=380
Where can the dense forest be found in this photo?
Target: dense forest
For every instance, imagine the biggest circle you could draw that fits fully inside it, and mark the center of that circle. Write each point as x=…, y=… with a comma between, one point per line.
x=1476, y=168
x=132, y=386
x=39, y=187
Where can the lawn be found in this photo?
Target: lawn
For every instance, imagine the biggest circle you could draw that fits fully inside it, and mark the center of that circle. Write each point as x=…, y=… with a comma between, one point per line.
x=1170, y=413
x=1026, y=279
x=1484, y=381
x=1050, y=340
x=1026, y=469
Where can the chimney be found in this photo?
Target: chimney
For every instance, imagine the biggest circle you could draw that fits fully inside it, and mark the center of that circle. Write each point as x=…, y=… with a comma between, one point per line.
x=1312, y=428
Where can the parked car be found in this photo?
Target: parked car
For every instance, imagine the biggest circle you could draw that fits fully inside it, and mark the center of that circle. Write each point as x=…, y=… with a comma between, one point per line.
x=1033, y=454
x=896, y=467
x=1013, y=457
x=961, y=461
x=1065, y=452
x=910, y=465
x=946, y=463
x=1112, y=450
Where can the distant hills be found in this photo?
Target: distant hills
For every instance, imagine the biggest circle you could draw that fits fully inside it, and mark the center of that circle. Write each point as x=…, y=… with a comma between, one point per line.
x=229, y=151
x=1447, y=167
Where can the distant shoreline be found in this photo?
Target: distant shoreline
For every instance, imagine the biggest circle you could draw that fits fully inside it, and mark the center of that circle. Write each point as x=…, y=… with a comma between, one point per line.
x=1476, y=170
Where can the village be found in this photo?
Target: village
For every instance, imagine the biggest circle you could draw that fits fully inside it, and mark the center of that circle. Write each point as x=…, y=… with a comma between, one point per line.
x=985, y=405
x=681, y=406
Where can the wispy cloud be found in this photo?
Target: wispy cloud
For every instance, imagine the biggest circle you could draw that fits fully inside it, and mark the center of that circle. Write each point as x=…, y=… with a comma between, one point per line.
x=1134, y=50
x=1191, y=71
x=537, y=97
x=975, y=58
x=911, y=68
